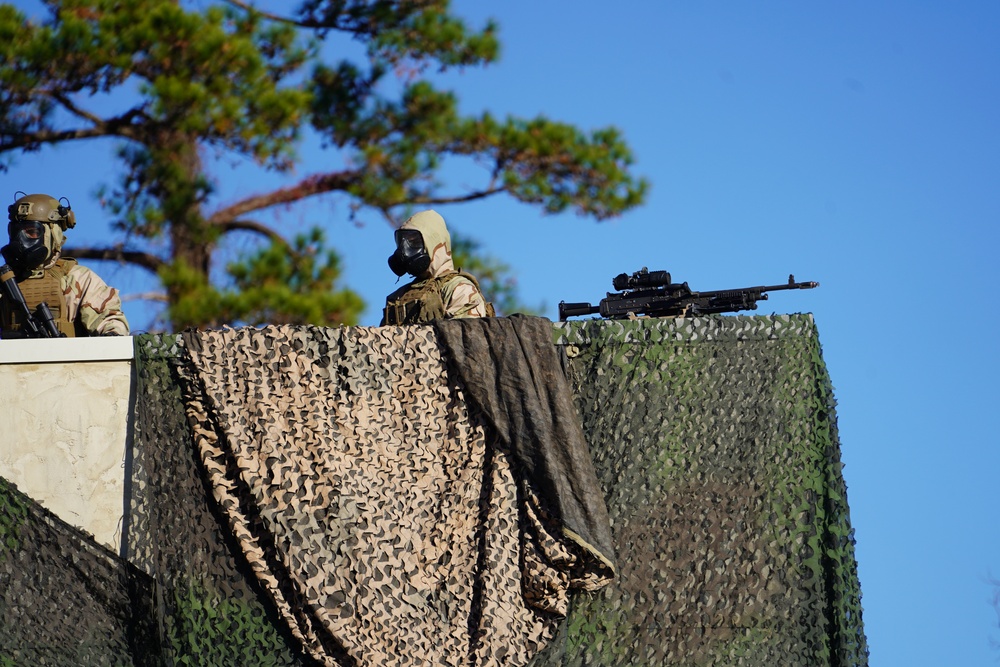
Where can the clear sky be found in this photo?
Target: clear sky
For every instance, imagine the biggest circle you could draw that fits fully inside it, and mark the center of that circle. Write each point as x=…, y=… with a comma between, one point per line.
x=853, y=143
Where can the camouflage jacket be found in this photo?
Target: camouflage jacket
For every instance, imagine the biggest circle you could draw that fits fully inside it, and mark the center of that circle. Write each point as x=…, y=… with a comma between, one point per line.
x=450, y=295
x=84, y=305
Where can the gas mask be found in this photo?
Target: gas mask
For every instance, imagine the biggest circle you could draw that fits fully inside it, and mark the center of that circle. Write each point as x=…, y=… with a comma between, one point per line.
x=411, y=255
x=30, y=245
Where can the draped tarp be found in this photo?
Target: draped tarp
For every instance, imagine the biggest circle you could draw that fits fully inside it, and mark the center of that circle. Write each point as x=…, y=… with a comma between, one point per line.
x=386, y=520
x=514, y=378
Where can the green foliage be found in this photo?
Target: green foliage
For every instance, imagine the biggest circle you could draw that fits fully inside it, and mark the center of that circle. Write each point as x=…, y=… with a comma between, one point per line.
x=279, y=284
x=290, y=285
x=537, y=161
x=405, y=30
x=182, y=86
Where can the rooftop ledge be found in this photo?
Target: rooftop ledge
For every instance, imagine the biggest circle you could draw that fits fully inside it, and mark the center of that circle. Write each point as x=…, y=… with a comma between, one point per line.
x=61, y=350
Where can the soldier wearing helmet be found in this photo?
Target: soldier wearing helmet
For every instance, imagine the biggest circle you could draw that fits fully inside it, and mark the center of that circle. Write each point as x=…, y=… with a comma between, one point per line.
x=423, y=250
x=83, y=305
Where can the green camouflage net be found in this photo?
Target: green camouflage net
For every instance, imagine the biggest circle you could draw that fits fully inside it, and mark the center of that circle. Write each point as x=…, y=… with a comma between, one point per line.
x=715, y=441
x=64, y=599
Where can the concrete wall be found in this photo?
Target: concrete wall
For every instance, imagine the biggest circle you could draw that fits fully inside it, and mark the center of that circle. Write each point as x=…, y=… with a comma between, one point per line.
x=64, y=422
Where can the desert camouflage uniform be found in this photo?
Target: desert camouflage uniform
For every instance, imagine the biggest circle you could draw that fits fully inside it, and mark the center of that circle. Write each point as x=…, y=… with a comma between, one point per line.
x=443, y=292
x=82, y=303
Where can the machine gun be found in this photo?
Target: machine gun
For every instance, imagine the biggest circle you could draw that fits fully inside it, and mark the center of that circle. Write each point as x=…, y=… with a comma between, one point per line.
x=38, y=324
x=653, y=293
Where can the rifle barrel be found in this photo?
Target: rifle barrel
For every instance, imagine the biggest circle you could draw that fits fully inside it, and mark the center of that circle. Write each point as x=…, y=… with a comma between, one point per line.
x=760, y=289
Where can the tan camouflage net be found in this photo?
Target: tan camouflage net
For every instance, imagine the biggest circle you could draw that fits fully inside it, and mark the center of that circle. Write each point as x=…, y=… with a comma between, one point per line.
x=386, y=526
x=715, y=440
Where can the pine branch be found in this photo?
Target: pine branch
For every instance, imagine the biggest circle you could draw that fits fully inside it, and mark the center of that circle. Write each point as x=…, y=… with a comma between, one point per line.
x=70, y=106
x=314, y=185
x=117, y=253
x=32, y=139
x=472, y=196
x=252, y=226
x=116, y=125
x=277, y=17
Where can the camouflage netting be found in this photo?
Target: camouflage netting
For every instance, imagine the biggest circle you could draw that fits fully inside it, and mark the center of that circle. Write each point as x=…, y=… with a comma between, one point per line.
x=714, y=440
x=64, y=599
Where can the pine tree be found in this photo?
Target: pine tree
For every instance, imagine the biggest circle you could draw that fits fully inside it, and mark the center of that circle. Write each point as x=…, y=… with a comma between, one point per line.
x=193, y=82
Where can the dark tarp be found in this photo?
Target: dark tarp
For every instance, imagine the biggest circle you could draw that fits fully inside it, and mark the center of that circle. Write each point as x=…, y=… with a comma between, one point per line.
x=515, y=379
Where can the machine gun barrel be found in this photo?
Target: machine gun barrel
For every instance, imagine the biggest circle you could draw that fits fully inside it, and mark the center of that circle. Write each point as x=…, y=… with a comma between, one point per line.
x=576, y=309
x=760, y=289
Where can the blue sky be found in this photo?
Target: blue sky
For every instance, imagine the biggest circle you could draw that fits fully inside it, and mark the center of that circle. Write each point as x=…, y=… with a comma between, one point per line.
x=854, y=143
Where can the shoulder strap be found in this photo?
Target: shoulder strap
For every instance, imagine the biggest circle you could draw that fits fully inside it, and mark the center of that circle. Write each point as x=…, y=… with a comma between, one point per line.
x=62, y=267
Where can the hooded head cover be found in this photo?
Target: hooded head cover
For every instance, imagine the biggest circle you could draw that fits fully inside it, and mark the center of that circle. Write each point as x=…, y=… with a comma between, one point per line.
x=36, y=230
x=436, y=244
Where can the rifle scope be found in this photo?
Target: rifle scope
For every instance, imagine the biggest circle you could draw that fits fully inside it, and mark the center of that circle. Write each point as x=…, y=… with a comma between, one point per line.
x=643, y=278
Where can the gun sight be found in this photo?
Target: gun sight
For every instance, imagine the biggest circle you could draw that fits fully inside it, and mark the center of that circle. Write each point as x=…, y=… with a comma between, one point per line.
x=640, y=279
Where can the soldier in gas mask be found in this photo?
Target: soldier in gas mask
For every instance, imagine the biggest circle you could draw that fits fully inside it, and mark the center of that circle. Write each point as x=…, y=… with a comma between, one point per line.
x=82, y=304
x=423, y=250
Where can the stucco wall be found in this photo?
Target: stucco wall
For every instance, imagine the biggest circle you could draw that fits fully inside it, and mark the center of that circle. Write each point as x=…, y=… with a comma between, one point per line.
x=64, y=420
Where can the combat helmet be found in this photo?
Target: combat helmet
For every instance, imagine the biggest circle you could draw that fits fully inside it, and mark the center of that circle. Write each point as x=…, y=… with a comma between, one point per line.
x=35, y=228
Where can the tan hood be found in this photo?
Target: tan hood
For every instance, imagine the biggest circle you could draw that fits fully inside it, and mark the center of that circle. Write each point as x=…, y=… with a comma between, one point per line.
x=54, y=239
x=437, y=240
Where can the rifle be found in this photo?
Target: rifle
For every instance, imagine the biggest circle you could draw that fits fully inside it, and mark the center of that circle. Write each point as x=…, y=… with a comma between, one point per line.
x=653, y=293
x=38, y=324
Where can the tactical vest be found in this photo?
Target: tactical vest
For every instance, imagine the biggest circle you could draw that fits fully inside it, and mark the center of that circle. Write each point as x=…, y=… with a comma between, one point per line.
x=424, y=301
x=46, y=288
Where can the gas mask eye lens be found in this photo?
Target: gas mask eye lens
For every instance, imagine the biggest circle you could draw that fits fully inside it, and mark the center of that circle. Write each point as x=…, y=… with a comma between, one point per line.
x=409, y=242
x=29, y=232
x=32, y=230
